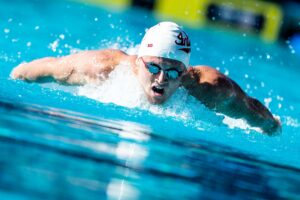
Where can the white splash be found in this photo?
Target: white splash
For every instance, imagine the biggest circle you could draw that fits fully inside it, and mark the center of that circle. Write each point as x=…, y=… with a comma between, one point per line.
x=239, y=123
x=122, y=88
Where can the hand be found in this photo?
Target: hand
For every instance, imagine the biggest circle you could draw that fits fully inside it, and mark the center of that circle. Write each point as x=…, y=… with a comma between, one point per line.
x=274, y=127
x=18, y=72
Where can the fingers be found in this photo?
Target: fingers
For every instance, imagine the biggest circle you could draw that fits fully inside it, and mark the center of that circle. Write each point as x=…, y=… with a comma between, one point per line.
x=18, y=72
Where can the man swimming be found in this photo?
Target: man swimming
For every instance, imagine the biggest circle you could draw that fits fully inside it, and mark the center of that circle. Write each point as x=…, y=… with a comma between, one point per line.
x=161, y=66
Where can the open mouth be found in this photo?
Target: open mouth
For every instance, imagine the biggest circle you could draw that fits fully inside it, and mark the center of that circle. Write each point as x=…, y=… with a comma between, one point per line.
x=158, y=90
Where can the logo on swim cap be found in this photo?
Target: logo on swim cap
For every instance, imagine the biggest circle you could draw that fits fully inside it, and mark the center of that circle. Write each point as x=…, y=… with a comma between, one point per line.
x=166, y=40
x=184, y=41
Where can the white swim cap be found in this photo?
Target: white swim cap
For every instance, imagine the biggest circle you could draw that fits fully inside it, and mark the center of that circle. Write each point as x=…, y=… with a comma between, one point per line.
x=166, y=40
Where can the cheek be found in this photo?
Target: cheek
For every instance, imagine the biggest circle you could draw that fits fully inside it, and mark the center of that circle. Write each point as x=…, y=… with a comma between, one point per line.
x=174, y=86
x=144, y=78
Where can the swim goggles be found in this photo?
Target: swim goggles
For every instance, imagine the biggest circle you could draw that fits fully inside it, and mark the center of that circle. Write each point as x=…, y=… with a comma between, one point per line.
x=171, y=73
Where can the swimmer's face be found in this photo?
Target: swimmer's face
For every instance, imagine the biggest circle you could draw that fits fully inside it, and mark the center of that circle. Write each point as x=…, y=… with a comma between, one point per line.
x=159, y=77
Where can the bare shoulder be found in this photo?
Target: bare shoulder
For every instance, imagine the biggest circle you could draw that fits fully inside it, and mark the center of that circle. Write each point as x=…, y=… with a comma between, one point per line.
x=98, y=56
x=208, y=85
x=203, y=75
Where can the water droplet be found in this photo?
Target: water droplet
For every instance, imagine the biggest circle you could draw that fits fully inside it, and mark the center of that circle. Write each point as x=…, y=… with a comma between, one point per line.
x=36, y=28
x=62, y=36
x=6, y=30
x=226, y=72
x=14, y=40
x=28, y=44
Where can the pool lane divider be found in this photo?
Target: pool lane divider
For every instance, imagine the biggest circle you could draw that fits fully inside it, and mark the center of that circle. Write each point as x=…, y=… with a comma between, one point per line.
x=253, y=17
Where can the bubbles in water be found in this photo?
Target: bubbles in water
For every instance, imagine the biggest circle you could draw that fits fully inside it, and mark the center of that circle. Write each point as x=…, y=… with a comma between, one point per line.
x=62, y=36
x=6, y=30
x=279, y=105
x=19, y=54
x=289, y=121
x=292, y=50
x=36, y=28
x=226, y=72
x=28, y=44
x=14, y=40
x=267, y=102
x=53, y=46
x=279, y=98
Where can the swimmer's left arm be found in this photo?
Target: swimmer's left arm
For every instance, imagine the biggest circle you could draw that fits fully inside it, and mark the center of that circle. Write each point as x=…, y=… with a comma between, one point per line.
x=220, y=93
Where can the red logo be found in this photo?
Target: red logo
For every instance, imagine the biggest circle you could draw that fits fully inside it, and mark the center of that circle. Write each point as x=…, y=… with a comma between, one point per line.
x=150, y=45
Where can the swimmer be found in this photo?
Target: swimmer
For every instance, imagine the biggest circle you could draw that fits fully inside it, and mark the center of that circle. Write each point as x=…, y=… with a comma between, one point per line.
x=161, y=66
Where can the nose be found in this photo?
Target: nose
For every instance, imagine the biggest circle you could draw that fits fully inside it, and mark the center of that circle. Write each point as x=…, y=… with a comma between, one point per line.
x=161, y=77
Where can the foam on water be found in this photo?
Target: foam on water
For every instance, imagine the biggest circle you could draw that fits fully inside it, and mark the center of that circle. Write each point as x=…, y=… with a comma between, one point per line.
x=122, y=88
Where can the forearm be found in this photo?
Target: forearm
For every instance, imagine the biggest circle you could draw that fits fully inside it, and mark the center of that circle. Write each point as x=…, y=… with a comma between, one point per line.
x=254, y=112
x=41, y=68
x=258, y=115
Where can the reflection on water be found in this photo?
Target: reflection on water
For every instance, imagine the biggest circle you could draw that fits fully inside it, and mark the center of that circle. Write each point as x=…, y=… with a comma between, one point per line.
x=68, y=155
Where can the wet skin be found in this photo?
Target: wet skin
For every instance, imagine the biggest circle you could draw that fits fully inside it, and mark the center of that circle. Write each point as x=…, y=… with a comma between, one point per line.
x=212, y=88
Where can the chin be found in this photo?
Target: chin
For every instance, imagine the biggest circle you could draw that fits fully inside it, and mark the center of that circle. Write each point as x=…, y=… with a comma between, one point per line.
x=154, y=100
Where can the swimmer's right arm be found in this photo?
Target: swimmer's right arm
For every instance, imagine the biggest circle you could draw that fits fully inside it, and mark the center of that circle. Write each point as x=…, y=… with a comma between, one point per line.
x=80, y=68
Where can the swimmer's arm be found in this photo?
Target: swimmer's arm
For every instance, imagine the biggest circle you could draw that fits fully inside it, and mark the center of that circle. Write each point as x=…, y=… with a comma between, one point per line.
x=80, y=68
x=220, y=93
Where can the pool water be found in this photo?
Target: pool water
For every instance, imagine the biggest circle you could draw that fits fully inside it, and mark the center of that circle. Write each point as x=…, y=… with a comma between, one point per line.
x=107, y=142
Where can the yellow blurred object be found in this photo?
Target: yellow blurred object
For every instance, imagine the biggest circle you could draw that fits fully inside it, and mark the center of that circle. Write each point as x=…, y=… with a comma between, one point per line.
x=194, y=13
x=189, y=12
x=254, y=16
x=112, y=4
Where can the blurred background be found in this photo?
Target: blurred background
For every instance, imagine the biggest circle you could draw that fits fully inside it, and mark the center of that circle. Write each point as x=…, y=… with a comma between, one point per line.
x=272, y=21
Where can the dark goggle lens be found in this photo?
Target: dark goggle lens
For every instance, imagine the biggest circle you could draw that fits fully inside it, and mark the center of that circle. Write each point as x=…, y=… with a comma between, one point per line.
x=153, y=69
x=171, y=73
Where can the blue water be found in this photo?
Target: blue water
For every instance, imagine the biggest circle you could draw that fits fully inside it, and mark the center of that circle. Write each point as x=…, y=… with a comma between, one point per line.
x=108, y=142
